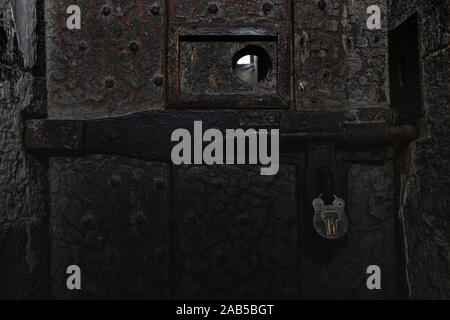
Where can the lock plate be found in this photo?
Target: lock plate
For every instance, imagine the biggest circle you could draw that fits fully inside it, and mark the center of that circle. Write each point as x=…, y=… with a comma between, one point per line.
x=330, y=221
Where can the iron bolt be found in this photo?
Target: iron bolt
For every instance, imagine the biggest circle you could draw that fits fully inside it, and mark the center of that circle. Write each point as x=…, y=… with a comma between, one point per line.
x=267, y=7
x=115, y=180
x=82, y=46
x=86, y=220
x=158, y=80
x=212, y=8
x=322, y=4
x=134, y=47
x=155, y=10
x=109, y=83
x=106, y=11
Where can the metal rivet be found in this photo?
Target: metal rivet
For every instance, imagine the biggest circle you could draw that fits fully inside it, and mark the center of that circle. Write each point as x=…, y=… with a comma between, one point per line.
x=106, y=11
x=86, y=220
x=322, y=4
x=115, y=180
x=267, y=7
x=155, y=10
x=109, y=83
x=134, y=47
x=158, y=80
x=82, y=46
x=140, y=219
x=212, y=8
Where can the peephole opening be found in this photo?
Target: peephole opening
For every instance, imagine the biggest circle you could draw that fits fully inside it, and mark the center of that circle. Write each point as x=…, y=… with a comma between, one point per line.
x=252, y=64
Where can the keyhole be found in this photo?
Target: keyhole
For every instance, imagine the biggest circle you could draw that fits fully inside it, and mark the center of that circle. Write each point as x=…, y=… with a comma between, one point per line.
x=331, y=219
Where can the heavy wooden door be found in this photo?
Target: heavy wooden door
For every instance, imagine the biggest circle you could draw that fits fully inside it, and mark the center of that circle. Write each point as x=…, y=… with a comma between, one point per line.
x=140, y=227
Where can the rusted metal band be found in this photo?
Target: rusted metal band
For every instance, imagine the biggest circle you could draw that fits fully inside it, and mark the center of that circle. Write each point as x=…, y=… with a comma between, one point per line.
x=54, y=135
x=379, y=133
x=148, y=135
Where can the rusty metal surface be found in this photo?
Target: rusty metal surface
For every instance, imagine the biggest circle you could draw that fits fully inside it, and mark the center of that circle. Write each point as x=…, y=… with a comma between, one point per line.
x=55, y=135
x=230, y=11
x=115, y=64
x=339, y=63
x=112, y=66
x=380, y=133
x=200, y=67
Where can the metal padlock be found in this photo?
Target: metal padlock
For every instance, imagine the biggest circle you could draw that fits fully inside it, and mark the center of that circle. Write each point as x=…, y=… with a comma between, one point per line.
x=330, y=221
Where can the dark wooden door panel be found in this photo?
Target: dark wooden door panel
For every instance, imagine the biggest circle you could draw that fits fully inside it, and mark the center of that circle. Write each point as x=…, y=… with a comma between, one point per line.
x=236, y=233
x=110, y=217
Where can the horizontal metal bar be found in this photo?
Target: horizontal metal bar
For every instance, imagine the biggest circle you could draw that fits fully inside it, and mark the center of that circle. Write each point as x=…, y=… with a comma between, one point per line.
x=147, y=135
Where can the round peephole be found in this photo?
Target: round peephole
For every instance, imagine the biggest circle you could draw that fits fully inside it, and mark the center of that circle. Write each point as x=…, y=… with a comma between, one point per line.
x=252, y=64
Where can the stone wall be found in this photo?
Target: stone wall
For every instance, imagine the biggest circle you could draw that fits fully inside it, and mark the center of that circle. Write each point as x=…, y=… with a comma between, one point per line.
x=24, y=247
x=423, y=169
